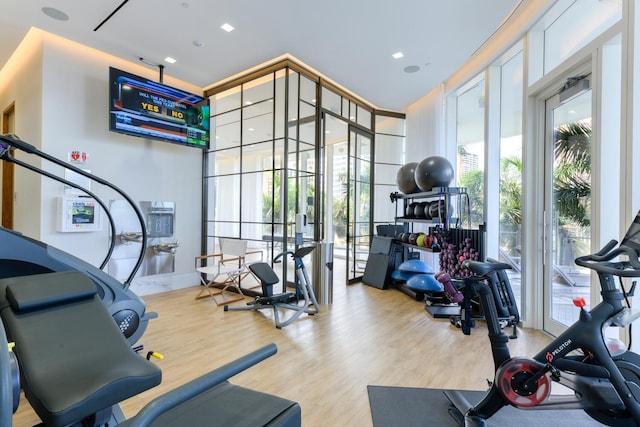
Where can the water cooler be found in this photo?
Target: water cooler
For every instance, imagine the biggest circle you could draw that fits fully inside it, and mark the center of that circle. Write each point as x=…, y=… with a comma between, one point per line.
x=159, y=254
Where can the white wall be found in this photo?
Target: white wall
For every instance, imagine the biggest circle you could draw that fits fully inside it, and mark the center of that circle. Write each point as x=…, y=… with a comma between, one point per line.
x=21, y=84
x=425, y=128
x=72, y=87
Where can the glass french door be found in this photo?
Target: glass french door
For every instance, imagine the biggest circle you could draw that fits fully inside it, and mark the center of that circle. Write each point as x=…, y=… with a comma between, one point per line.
x=567, y=207
x=359, y=214
x=335, y=140
x=348, y=195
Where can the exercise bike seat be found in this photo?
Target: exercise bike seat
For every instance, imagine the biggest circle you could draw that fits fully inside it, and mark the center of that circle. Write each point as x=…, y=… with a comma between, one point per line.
x=74, y=363
x=485, y=268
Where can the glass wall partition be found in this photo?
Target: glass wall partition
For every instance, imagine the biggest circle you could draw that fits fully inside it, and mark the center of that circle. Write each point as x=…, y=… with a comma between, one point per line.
x=359, y=218
x=285, y=142
x=262, y=164
x=348, y=138
x=390, y=152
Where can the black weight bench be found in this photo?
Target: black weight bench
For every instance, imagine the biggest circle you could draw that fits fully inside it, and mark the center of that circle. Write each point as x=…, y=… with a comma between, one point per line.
x=76, y=365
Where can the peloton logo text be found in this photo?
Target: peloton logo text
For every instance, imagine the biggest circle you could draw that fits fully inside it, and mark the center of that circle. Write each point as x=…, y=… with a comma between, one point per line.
x=551, y=354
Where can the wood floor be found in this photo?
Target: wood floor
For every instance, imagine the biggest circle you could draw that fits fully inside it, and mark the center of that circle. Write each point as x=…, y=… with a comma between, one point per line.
x=325, y=362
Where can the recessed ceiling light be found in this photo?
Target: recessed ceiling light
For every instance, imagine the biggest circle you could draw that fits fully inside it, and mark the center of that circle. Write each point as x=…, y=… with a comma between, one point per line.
x=227, y=27
x=411, y=69
x=397, y=55
x=248, y=102
x=54, y=13
x=170, y=60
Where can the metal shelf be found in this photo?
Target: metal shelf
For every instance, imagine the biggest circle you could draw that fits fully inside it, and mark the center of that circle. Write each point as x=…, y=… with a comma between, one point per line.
x=434, y=221
x=436, y=192
x=422, y=248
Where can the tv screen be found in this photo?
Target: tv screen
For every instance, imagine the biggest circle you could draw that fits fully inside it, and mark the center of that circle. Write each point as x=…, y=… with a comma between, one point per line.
x=632, y=237
x=144, y=108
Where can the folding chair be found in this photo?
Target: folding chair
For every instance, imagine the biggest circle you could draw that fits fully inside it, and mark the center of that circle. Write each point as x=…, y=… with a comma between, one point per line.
x=223, y=270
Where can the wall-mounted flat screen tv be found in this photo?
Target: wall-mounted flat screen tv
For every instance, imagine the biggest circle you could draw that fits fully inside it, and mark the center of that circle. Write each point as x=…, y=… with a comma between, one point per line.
x=144, y=108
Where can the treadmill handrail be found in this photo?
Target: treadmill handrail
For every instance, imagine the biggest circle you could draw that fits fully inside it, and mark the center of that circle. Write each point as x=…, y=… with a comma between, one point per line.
x=152, y=410
x=6, y=387
x=14, y=142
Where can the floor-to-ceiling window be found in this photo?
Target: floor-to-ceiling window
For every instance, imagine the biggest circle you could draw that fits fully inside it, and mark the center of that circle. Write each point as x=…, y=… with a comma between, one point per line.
x=568, y=206
x=510, y=177
x=574, y=68
x=470, y=134
x=571, y=37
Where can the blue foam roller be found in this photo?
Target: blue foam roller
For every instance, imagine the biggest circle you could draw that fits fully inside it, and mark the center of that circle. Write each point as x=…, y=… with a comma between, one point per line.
x=416, y=266
x=425, y=283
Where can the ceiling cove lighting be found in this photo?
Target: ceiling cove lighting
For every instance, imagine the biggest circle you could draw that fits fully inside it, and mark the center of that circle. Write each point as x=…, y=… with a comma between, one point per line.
x=227, y=27
x=397, y=55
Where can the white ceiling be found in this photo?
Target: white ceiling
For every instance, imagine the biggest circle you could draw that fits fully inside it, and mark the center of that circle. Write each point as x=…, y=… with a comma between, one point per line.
x=349, y=41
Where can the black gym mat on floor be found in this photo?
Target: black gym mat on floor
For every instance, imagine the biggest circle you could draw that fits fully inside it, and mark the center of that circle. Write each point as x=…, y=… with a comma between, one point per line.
x=419, y=407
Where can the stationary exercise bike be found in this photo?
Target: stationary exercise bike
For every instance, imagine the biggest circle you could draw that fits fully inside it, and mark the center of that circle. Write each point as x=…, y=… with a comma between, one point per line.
x=604, y=376
x=285, y=300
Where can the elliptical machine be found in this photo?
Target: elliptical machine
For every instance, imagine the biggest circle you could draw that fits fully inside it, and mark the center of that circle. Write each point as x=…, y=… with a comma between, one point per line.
x=285, y=300
x=605, y=377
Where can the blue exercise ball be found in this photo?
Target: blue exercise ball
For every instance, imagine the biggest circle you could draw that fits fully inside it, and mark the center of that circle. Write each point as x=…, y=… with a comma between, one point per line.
x=425, y=283
x=406, y=178
x=416, y=266
x=401, y=276
x=434, y=171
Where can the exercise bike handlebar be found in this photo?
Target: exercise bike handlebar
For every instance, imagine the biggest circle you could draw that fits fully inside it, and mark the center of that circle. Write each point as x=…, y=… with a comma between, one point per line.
x=601, y=261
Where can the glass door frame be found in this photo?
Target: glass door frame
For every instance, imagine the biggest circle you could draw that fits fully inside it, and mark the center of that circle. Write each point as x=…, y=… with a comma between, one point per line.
x=549, y=323
x=355, y=240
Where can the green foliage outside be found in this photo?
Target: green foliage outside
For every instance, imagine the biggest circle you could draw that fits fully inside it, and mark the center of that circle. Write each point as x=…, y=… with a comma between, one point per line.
x=571, y=192
x=272, y=202
x=340, y=214
x=473, y=181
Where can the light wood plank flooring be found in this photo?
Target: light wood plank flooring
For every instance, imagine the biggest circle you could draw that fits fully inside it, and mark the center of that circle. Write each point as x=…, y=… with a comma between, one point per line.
x=325, y=362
